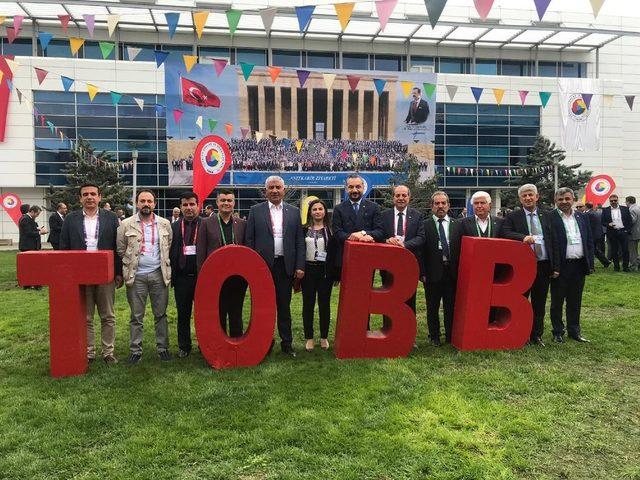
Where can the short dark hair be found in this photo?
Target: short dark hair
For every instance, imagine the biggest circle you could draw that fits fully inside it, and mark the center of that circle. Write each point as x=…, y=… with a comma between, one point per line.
x=225, y=191
x=58, y=206
x=35, y=208
x=208, y=206
x=24, y=208
x=631, y=199
x=187, y=195
x=351, y=176
x=588, y=205
x=145, y=190
x=417, y=88
x=89, y=184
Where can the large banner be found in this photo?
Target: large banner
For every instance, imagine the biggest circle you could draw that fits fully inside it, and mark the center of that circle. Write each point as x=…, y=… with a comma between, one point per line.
x=580, y=110
x=311, y=126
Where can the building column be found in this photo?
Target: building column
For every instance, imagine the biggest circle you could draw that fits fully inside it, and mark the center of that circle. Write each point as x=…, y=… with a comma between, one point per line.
x=360, y=132
x=497, y=202
x=345, y=113
x=277, y=98
x=376, y=107
x=328, y=128
x=262, y=108
x=310, y=125
x=294, y=113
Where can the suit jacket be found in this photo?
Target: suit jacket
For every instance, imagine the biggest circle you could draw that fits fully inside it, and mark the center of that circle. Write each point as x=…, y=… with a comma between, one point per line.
x=585, y=234
x=176, y=243
x=259, y=236
x=626, y=218
x=634, y=210
x=516, y=227
x=432, y=255
x=413, y=235
x=420, y=114
x=210, y=236
x=595, y=222
x=345, y=222
x=29, y=238
x=467, y=228
x=72, y=234
x=55, y=229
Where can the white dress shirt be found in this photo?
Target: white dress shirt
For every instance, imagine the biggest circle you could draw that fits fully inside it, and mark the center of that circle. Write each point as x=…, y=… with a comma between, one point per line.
x=616, y=218
x=91, y=231
x=482, y=224
x=276, y=213
x=574, y=239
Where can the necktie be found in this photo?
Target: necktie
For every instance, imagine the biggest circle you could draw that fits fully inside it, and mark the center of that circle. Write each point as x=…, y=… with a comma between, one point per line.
x=355, y=208
x=182, y=259
x=534, y=231
x=443, y=239
x=400, y=227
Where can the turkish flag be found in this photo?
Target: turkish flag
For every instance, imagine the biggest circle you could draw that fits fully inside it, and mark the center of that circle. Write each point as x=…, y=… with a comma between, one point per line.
x=11, y=204
x=197, y=94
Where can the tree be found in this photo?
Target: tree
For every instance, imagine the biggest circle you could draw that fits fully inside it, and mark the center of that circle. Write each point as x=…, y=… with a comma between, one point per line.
x=538, y=170
x=85, y=166
x=409, y=172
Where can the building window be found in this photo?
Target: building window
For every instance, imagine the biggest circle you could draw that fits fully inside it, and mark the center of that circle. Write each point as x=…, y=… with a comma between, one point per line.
x=253, y=56
x=206, y=54
x=355, y=61
x=146, y=53
x=417, y=61
x=22, y=47
x=388, y=63
x=547, y=69
x=573, y=69
x=452, y=65
x=56, y=48
x=486, y=67
x=286, y=58
x=321, y=60
x=515, y=68
x=92, y=50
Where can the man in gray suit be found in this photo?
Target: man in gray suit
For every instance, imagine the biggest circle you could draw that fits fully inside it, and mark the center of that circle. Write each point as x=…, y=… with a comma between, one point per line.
x=274, y=230
x=634, y=237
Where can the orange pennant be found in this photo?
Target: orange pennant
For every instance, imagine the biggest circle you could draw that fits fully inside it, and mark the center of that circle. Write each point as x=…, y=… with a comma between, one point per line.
x=199, y=21
x=274, y=72
x=344, y=11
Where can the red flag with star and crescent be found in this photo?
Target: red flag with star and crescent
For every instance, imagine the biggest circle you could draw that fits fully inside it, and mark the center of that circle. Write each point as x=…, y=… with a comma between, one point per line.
x=197, y=94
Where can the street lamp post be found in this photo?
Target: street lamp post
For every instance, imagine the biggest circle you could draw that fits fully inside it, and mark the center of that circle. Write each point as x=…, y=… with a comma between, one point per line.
x=134, y=161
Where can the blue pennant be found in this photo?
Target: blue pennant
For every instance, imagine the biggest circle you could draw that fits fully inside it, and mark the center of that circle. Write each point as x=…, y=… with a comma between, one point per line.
x=379, y=83
x=66, y=83
x=477, y=93
x=161, y=56
x=172, y=22
x=304, y=16
x=44, y=38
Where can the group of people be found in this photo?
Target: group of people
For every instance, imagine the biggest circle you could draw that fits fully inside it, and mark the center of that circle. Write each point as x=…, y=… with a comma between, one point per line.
x=182, y=164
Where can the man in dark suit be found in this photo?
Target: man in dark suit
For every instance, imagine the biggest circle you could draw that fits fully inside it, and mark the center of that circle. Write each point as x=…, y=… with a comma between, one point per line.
x=356, y=219
x=418, y=109
x=93, y=228
x=274, y=230
x=533, y=227
x=617, y=219
x=575, y=247
x=403, y=226
x=595, y=221
x=216, y=232
x=482, y=224
x=182, y=256
x=55, y=225
x=29, y=231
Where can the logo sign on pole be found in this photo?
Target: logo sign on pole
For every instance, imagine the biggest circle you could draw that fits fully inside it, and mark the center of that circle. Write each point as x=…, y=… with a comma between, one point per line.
x=11, y=204
x=599, y=189
x=211, y=160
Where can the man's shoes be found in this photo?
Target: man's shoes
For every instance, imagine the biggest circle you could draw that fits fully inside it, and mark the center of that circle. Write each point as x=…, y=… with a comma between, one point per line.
x=289, y=351
x=134, y=358
x=91, y=359
x=558, y=339
x=183, y=353
x=579, y=338
x=616, y=268
x=606, y=265
x=436, y=342
x=165, y=356
x=538, y=341
x=110, y=360
x=626, y=269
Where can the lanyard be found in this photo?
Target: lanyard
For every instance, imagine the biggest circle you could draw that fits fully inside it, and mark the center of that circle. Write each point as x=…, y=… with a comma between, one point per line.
x=224, y=237
x=195, y=235
x=273, y=227
x=153, y=234
x=84, y=228
x=437, y=225
x=404, y=222
x=488, y=228
x=315, y=237
x=574, y=229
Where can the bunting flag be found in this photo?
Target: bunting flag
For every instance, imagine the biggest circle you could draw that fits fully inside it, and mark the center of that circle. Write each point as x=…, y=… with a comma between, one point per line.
x=452, y=90
x=287, y=143
x=541, y=7
x=302, y=76
x=13, y=65
x=353, y=82
x=44, y=38
x=304, y=16
x=499, y=94
x=268, y=15
x=328, y=79
x=608, y=101
x=199, y=121
x=115, y=98
x=477, y=93
x=112, y=23
x=434, y=10
x=212, y=124
x=18, y=92
x=64, y=22
x=132, y=52
x=2, y=19
x=406, y=87
x=274, y=72
x=244, y=131
x=229, y=129
x=106, y=48
x=172, y=22
x=483, y=7
x=75, y=44
x=140, y=103
x=379, y=84
x=587, y=97
x=66, y=82
x=544, y=98
x=41, y=74
x=630, y=99
x=298, y=145
x=90, y=21
x=189, y=61
x=92, y=90
x=523, y=96
x=385, y=9
x=159, y=110
x=344, y=11
x=247, y=68
x=177, y=115
x=596, y=5
x=233, y=18
x=429, y=89
x=11, y=34
x=160, y=55
x=17, y=23
x=199, y=21
x=219, y=64
x=259, y=136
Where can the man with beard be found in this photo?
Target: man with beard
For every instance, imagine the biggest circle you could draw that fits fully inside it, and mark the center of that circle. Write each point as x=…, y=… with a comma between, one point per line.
x=143, y=243
x=56, y=220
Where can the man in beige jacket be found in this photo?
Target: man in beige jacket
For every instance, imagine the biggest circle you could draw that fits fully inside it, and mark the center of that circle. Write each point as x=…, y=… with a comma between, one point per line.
x=143, y=244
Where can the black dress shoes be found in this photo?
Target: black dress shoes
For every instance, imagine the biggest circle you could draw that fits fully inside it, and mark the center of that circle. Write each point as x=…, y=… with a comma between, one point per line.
x=436, y=342
x=579, y=338
x=289, y=351
x=558, y=339
x=133, y=358
x=538, y=341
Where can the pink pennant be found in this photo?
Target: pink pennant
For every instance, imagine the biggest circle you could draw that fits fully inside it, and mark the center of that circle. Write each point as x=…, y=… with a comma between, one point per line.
x=11, y=34
x=385, y=9
x=64, y=21
x=177, y=115
x=244, y=131
x=90, y=20
x=41, y=74
x=523, y=96
x=483, y=7
x=353, y=82
x=17, y=22
x=219, y=65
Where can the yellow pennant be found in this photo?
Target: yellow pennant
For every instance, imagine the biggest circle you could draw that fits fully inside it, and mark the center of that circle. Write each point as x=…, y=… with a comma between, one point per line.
x=75, y=44
x=499, y=94
x=1, y=76
x=406, y=88
x=2, y=19
x=259, y=136
x=344, y=11
x=328, y=79
x=189, y=61
x=298, y=145
x=112, y=23
x=596, y=5
x=199, y=121
x=93, y=91
x=199, y=20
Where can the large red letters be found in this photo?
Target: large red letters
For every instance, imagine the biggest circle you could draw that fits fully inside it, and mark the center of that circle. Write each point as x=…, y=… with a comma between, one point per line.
x=65, y=272
x=217, y=348
x=358, y=299
x=493, y=273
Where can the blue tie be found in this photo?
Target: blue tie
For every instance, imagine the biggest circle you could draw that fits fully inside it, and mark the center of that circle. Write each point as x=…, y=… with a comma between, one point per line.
x=443, y=239
x=355, y=208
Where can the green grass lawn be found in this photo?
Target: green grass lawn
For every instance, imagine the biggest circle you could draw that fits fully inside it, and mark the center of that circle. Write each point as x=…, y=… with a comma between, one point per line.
x=568, y=411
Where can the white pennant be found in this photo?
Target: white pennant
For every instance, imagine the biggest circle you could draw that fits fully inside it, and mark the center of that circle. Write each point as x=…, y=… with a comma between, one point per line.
x=199, y=121
x=259, y=136
x=267, y=15
x=328, y=79
x=13, y=66
x=133, y=52
x=112, y=22
x=452, y=90
x=140, y=102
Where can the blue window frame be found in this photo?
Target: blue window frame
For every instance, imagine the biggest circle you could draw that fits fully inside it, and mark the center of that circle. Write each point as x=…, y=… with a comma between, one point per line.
x=355, y=61
x=250, y=55
x=286, y=58
x=321, y=60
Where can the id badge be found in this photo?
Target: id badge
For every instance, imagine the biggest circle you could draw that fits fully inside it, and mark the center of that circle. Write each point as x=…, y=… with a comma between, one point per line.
x=574, y=240
x=320, y=256
x=539, y=239
x=189, y=250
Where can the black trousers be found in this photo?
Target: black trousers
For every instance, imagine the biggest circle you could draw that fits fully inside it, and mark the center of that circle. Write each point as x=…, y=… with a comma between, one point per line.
x=568, y=288
x=619, y=244
x=316, y=283
x=232, y=296
x=538, y=295
x=598, y=246
x=184, y=288
x=442, y=291
x=283, y=284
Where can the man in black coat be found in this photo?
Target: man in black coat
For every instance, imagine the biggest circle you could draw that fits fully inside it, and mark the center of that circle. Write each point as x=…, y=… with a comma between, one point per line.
x=597, y=233
x=482, y=224
x=533, y=227
x=93, y=228
x=617, y=219
x=29, y=231
x=575, y=246
x=418, y=109
x=274, y=230
x=55, y=225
